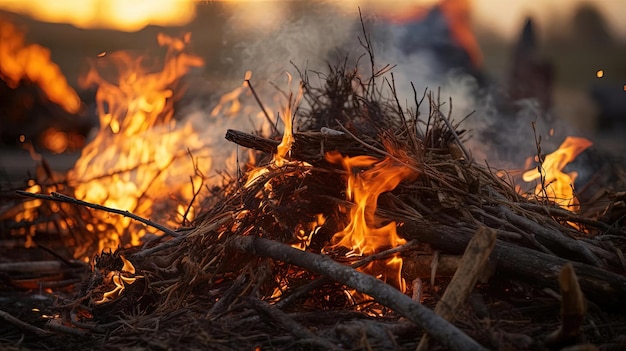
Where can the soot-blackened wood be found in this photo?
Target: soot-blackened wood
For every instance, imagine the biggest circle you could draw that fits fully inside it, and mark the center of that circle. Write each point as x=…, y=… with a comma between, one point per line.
x=438, y=328
x=308, y=146
x=603, y=287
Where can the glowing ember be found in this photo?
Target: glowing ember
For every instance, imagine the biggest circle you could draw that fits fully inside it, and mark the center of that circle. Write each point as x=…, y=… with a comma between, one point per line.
x=364, y=188
x=554, y=184
x=114, y=14
x=32, y=62
x=140, y=155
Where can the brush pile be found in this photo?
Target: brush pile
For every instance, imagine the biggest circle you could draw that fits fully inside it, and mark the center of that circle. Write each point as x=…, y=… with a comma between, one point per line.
x=256, y=270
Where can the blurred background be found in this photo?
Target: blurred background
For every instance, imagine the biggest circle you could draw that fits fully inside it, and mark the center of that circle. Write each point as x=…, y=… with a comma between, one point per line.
x=568, y=61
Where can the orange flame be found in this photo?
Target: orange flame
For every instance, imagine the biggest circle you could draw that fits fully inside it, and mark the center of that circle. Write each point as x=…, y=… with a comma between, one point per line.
x=555, y=184
x=125, y=276
x=113, y=14
x=364, y=188
x=32, y=62
x=287, y=140
x=140, y=150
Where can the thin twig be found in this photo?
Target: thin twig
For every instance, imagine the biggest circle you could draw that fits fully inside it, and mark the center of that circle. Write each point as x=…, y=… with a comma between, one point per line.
x=258, y=101
x=23, y=325
x=68, y=199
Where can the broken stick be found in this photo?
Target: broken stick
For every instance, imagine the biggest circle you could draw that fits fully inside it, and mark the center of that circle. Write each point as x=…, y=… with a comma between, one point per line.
x=573, y=310
x=473, y=262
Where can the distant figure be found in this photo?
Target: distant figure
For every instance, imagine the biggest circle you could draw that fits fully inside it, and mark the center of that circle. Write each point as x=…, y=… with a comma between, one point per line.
x=530, y=77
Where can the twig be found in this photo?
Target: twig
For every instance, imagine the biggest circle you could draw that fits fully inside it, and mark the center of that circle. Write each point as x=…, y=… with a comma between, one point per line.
x=68, y=199
x=441, y=330
x=552, y=237
x=445, y=120
x=290, y=324
x=23, y=325
x=258, y=101
x=375, y=149
x=31, y=267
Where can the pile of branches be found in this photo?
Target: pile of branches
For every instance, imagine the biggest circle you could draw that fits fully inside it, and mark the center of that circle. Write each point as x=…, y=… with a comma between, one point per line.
x=546, y=277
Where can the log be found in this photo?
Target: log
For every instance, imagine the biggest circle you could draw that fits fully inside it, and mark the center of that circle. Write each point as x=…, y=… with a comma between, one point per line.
x=600, y=286
x=308, y=146
x=438, y=328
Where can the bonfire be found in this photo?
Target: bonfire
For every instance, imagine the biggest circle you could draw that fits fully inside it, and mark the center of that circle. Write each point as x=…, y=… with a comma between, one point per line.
x=363, y=224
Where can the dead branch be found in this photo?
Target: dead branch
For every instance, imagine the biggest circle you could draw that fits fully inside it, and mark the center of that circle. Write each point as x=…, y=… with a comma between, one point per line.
x=290, y=324
x=603, y=287
x=68, y=199
x=23, y=325
x=444, y=332
x=31, y=267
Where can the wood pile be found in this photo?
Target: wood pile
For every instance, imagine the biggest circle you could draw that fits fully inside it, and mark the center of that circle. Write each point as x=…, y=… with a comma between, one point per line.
x=488, y=267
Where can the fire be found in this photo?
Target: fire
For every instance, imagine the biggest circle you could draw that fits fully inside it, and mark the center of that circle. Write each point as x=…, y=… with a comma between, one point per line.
x=554, y=184
x=359, y=236
x=140, y=155
x=19, y=61
x=122, y=15
x=287, y=140
x=120, y=279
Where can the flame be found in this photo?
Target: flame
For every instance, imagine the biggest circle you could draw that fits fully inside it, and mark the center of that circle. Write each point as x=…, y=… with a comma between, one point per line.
x=285, y=145
x=140, y=155
x=19, y=61
x=555, y=184
x=122, y=15
x=120, y=279
x=364, y=188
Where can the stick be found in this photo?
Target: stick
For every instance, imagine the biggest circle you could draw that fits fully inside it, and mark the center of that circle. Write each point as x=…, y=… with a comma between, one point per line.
x=290, y=324
x=31, y=267
x=68, y=199
x=258, y=101
x=473, y=262
x=553, y=239
x=573, y=310
x=23, y=325
x=444, y=332
x=603, y=287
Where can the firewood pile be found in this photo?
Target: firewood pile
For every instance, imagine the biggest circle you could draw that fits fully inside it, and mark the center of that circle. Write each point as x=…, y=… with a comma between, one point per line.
x=485, y=266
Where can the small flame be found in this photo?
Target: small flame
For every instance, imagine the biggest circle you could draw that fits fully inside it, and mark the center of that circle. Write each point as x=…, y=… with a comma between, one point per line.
x=120, y=279
x=364, y=188
x=32, y=62
x=122, y=15
x=556, y=185
x=285, y=145
x=600, y=73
